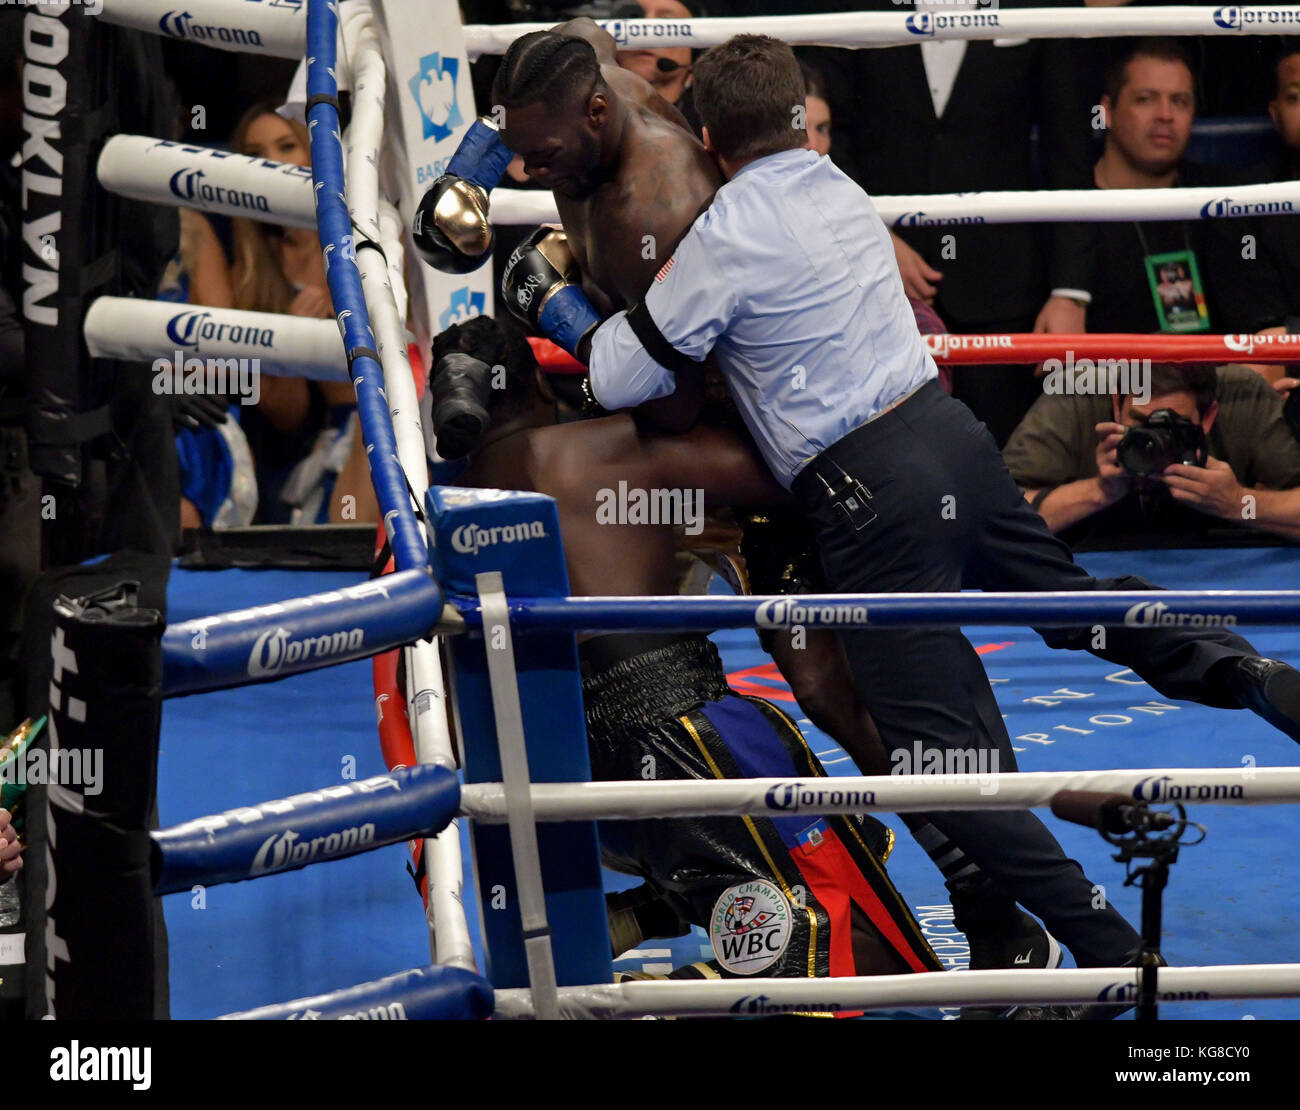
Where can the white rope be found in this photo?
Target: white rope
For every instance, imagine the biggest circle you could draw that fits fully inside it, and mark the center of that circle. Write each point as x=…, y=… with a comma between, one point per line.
x=381, y=276
x=525, y=206
x=758, y=997
x=279, y=30
x=769, y=797
x=141, y=331
x=210, y=180
x=855, y=29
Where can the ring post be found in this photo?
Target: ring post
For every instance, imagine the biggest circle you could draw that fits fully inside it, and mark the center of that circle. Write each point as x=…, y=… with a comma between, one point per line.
x=517, y=535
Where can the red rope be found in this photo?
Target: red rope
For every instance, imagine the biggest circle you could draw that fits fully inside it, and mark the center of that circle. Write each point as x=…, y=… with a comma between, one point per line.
x=978, y=350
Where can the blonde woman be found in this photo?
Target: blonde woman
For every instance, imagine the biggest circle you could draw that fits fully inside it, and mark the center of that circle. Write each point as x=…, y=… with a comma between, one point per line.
x=299, y=429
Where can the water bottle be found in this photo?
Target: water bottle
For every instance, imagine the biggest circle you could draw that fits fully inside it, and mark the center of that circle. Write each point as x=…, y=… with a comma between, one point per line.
x=10, y=908
x=13, y=939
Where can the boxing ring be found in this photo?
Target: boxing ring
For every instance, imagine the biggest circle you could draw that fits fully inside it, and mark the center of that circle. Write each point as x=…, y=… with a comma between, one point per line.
x=476, y=579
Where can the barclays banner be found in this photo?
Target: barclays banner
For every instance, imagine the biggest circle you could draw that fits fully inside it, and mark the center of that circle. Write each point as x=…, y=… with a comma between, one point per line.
x=430, y=107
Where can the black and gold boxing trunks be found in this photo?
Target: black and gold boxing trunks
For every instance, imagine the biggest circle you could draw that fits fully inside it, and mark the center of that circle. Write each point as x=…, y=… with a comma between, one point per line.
x=781, y=556
x=801, y=895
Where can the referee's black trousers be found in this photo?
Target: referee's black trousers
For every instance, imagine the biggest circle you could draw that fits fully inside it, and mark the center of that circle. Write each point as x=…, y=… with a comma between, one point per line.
x=950, y=516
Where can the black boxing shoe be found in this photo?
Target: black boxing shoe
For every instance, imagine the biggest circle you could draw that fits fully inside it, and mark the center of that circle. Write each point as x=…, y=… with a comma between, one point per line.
x=1001, y=936
x=1269, y=688
x=1082, y=1011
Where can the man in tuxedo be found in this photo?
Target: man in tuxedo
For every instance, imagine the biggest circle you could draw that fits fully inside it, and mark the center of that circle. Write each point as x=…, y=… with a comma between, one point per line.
x=956, y=116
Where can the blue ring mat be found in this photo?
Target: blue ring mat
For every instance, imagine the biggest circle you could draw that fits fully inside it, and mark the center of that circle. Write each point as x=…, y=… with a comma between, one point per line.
x=1234, y=899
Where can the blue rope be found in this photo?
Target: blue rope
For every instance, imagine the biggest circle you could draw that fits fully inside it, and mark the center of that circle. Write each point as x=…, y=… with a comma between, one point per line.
x=334, y=226
x=1187, y=609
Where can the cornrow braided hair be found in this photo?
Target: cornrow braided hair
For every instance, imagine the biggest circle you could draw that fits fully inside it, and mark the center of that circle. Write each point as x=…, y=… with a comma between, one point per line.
x=542, y=62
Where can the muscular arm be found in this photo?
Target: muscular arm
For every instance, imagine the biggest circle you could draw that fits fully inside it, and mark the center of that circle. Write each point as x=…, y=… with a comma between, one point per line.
x=712, y=459
x=672, y=186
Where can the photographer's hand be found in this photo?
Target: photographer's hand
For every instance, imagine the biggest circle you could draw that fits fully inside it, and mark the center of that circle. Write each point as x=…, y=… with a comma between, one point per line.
x=1211, y=489
x=1112, y=478
x=11, y=859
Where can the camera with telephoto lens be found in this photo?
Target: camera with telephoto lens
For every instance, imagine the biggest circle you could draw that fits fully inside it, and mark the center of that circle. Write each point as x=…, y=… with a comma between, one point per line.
x=1163, y=439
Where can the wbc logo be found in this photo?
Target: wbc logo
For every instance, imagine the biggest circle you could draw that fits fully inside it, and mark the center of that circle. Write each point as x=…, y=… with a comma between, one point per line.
x=750, y=927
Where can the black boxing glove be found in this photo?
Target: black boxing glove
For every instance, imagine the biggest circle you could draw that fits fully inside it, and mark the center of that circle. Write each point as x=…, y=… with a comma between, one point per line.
x=541, y=287
x=451, y=228
x=461, y=389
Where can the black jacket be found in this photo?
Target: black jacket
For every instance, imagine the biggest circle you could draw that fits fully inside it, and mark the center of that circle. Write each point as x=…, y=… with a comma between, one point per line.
x=887, y=136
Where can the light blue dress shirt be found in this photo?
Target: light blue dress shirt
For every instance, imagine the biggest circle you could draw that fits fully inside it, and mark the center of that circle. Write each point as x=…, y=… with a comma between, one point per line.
x=789, y=277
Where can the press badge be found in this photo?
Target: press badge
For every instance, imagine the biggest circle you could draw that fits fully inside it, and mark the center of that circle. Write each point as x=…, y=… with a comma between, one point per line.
x=1177, y=291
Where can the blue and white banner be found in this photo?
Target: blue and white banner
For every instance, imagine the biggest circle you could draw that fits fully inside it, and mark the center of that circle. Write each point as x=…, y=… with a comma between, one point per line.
x=430, y=106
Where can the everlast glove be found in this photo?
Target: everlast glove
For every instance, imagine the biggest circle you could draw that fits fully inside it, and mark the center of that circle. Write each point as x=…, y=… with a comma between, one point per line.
x=541, y=289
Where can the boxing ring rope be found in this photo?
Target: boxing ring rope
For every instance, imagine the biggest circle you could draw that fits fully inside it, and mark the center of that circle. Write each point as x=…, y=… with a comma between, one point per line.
x=1012, y=206
x=134, y=329
x=1048, y=609
x=867, y=29
x=636, y=799
x=268, y=642
x=281, y=30
x=1102, y=349
x=275, y=192
x=164, y=172
x=767, y=997
x=972, y=350
x=379, y=254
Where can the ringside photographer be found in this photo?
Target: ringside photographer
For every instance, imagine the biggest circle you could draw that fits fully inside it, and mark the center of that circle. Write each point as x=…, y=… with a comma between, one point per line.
x=1190, y=450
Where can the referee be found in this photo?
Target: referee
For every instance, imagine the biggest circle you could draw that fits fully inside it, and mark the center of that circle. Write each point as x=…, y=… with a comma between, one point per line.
x=789, y=280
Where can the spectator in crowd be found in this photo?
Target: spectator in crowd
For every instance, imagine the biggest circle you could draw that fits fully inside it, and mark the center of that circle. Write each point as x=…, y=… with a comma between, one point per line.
x=1066, y=455
x=1232, y=67
x=817, y=106
x=819, y=121
x=1264, y=297
x=667, y=69
x=1155, y=275
x=954, y=116
x=299, y=431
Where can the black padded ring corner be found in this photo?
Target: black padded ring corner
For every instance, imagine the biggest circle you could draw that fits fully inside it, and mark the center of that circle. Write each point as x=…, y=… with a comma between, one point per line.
x=321, y=98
